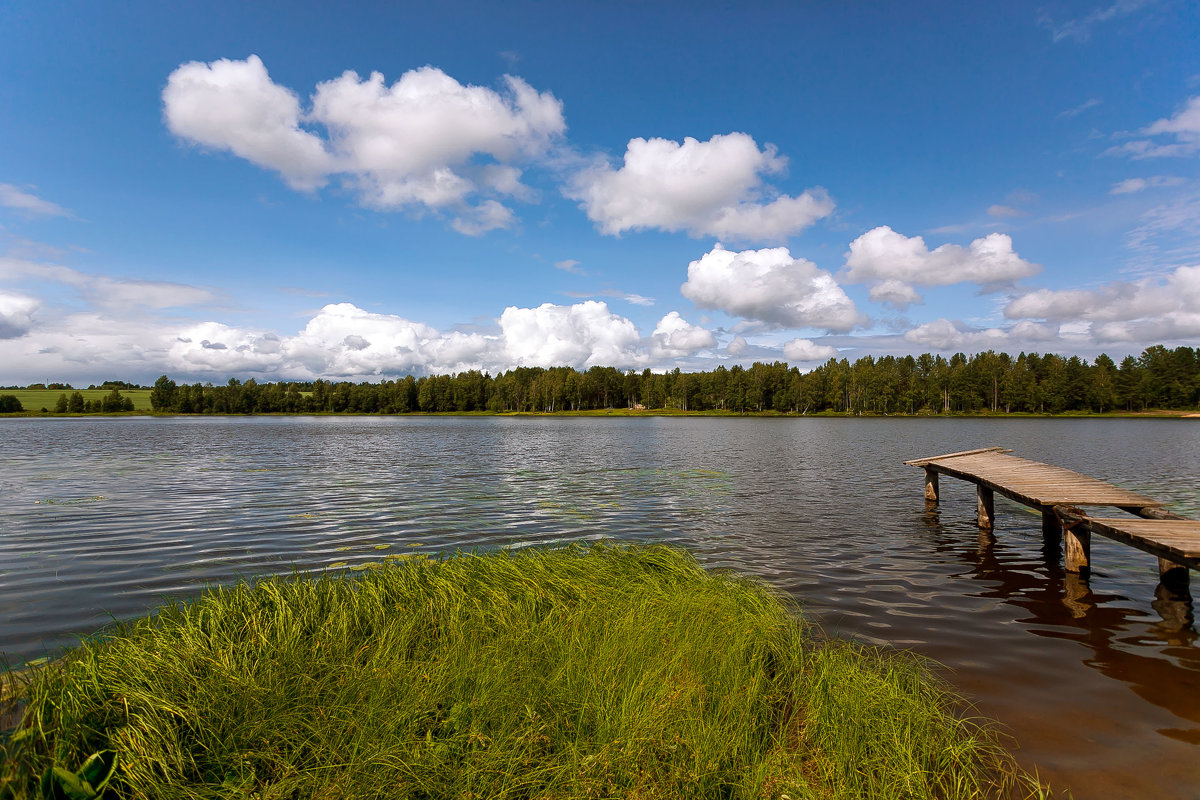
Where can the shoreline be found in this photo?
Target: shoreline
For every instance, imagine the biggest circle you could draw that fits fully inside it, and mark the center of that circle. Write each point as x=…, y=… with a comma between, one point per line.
x=651, y=412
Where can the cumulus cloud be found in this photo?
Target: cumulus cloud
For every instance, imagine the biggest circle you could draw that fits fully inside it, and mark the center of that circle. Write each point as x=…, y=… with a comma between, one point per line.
x=674, y=337
x=15, y=197
x=235, y=106
x=425, y=142
x=1149, y=309
x=893, y=263
x=586, y=334
x=897, y=294
x=807, y=350
x=343, y=340
x=712, y=188
x=16, y=314
x=944, y=334
x=1177, y=135
x=772, y=287
x=737, y=346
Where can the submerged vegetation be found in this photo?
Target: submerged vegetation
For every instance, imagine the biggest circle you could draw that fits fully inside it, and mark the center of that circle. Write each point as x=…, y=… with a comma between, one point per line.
x=571, y=673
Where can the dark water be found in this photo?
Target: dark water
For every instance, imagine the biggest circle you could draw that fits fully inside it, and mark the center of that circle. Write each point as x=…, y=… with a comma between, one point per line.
x=1099, y=683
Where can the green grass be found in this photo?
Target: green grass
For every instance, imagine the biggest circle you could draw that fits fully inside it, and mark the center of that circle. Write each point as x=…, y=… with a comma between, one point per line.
x=571, y=673
x=37, y=399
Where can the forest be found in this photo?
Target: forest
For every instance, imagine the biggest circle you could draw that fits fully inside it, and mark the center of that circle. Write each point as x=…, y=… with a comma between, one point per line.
x=1160, y=378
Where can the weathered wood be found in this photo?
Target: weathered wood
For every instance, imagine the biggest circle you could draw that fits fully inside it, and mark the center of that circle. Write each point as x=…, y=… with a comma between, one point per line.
x=1056, y=493
x=1051, y=528
x=1077, y=544
x=920, y=462
x=1174, y=577
x=931, y=486
x=985, y=506
x=1033, y=483
x=1177, y=541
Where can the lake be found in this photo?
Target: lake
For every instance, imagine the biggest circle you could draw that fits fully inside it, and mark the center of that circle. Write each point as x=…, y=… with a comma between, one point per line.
x=1098, y=682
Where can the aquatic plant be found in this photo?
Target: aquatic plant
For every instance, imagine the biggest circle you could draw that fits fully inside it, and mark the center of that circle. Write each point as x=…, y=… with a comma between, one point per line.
x=607, y=671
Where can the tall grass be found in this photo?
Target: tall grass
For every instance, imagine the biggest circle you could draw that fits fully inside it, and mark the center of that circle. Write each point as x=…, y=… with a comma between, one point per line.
x=572, y=673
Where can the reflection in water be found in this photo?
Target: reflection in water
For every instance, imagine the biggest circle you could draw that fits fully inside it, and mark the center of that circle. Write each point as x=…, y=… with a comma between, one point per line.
x=1097, y=681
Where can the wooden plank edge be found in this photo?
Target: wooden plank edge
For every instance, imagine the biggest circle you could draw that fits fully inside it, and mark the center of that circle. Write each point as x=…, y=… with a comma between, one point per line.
x=1138, y=543
x=920, y=462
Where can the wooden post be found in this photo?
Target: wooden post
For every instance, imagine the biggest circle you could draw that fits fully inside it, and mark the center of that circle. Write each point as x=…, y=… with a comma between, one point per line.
x=1078, y=541
x=1174, y=579
x=1051, y=529
x=931, y=486
x=986, y=506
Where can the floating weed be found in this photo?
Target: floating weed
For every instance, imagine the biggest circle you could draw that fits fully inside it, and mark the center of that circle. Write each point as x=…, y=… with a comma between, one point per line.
x=344, y=548
x=305, y=515
x=71, y=502
x=338, y=565
x=257, y=469
x=382, y=546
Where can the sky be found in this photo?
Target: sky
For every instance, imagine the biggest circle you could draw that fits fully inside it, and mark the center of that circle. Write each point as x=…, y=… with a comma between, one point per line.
x=361, y=191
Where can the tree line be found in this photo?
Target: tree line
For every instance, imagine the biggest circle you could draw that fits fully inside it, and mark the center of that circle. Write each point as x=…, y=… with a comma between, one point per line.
x=1160, y=378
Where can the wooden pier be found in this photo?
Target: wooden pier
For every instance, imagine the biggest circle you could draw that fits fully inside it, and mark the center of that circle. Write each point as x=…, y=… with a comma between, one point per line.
x=1058, y=494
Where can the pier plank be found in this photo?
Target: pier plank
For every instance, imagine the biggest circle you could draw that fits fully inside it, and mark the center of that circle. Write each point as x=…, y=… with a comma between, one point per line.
x=1032, y=482
x=1058, y=493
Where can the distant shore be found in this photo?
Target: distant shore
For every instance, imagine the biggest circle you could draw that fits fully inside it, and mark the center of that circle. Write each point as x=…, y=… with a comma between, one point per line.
x=651, y=412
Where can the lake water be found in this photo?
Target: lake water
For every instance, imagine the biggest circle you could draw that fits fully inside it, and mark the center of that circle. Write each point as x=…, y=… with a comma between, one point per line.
x=1099, y=683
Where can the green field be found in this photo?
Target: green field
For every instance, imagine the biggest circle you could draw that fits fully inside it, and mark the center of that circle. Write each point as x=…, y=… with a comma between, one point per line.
x=37, y=399
x=572, y=673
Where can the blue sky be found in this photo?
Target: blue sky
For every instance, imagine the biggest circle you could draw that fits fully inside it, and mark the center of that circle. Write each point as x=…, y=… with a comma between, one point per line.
x=214, y=190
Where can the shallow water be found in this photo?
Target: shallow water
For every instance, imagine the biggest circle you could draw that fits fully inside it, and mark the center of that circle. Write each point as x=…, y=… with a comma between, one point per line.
x=1098, y=682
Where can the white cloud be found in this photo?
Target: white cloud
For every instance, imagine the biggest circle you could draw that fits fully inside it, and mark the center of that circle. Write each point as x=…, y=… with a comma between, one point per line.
x=807, y=350
x=487, y=216
x=635, y=299
x=1070, y=113
x=14, y=197
x=107, y=292
x=674, y=337
x=569, y=265
x=1139, y=311
x=737, y=346
x=585, y=334
x=1183, y=127
x=712, y=188
x=1132, y=185
x=234, y=105
x=893, y=263
x=1004, y=212
x=944, y=334
x=770, y=286
x=1080, y=28
x=16, y=314
x=897, y=294
x=426, y=141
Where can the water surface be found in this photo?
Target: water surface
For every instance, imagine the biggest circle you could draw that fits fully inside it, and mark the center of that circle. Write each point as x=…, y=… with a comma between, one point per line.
x=1098, y=682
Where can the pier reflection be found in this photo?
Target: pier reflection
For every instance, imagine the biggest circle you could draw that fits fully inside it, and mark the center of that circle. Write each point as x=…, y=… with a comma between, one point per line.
x=1157, y=659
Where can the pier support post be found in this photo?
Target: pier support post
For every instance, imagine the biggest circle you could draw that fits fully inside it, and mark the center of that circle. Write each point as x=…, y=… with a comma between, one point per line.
x=1078, y=541
x=986, y=506
x=931, y=486
x=1051, y=528
x=1173, y=578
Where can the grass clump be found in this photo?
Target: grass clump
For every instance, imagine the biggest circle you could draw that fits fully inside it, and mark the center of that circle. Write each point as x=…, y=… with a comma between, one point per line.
x=572, y=673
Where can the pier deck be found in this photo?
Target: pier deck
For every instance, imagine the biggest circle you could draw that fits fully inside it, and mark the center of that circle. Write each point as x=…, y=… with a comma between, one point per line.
x=1058, y=494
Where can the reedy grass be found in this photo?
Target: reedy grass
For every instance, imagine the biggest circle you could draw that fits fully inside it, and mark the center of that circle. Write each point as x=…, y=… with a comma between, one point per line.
x=607, y=671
